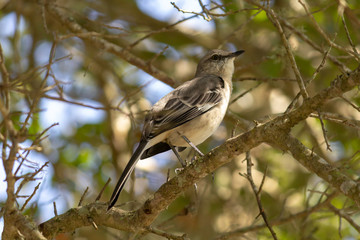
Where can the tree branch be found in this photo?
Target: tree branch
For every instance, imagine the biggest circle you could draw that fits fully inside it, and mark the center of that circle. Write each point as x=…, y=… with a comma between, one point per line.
x=107, y=46
x=274, y=132
x=276, y=222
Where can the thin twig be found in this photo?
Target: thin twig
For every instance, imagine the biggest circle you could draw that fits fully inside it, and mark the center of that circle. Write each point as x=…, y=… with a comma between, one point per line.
x=342, y=214
x=257, y=194
x=293, y=103
x=343, y=68
x=318, y=69
x=62, y=99
x=262, y=180
x=164, y=29
x=37, y=97
x=339, y=229
x=244, y=93
x=324, y=35
x=348, y=35
x=107, y=46
x=152, y=60
x=255, y=64
x=165, y=234
x=349, y=102
x=102, y=190
x=323, y=194
x=30, y=197
x=272, y=16
x=205, y=10
x=350, y=14
x=55, y=210
x=183, y=212
x=274, y=19
x=5, y=78
x=171, y=26
x=324, y=131
x=233, y=131
x=36, y=141
x=202, y=14
x=83, y=196
x=43, y=17
x=30, y=177
x=280, y=221
x=242, y=25
x=263, y=79
x=338, y=119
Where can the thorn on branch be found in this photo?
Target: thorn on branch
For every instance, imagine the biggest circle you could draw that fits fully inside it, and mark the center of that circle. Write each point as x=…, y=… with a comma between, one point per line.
x=93, y=223
x=312, y=152
x=55, y=210
x=168, y=175
x=83, y=196
x=102, y=190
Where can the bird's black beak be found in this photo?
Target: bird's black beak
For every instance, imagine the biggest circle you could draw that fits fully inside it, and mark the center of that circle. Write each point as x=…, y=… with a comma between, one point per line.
x=236, y=54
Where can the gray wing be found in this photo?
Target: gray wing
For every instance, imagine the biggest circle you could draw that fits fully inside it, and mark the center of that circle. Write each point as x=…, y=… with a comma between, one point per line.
x=185, y=103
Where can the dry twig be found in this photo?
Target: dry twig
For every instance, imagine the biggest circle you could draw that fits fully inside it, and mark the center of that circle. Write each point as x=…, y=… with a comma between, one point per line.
x=324, y=131
x=274, y=19
x=342, y=214
x=102, y=190
x=280, y=221
x=55, y=209
x=30, y=197
x=257, y=193
x=83, y=196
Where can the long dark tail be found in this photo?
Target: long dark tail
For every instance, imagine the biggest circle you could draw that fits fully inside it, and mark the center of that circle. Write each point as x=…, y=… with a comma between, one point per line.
x=127, y=171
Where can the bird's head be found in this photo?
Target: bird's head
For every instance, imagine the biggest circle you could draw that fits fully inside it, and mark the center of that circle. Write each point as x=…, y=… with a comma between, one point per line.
x=218, y=62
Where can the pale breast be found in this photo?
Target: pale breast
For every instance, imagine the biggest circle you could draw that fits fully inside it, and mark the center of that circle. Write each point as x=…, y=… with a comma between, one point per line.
x=202, y=127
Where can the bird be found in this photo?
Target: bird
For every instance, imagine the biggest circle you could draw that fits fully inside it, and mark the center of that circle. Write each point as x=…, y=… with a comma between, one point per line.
x=186, y=116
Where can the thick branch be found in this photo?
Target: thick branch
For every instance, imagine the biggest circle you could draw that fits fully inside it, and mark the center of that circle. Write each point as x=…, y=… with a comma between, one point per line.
x=319, y=166
x=274, y=131
x=23, y=227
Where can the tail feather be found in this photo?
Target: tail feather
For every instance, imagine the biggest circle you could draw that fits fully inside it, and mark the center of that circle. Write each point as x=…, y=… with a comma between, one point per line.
x=126, y=173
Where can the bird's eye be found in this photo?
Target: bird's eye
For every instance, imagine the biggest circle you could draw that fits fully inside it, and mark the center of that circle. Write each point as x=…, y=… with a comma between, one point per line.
x=215, y=57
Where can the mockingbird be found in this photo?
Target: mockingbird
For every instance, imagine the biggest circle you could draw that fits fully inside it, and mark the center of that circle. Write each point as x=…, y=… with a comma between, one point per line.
x=188, y=115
